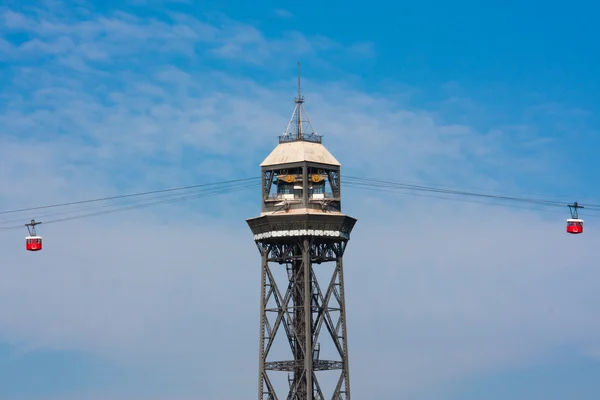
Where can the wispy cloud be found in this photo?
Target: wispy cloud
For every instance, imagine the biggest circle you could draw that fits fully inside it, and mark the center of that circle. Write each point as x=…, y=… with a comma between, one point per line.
x=91, y=37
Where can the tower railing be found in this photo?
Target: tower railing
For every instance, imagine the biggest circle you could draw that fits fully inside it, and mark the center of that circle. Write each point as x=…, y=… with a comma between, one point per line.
x=305, y=137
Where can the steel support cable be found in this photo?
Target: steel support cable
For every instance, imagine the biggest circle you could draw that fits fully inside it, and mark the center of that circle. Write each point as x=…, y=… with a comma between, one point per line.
x=353, y=185
x=386, y=183
x=159, y=195
x=239, y=188
x=396, y=189
x=442, y=191
x=381, y=183
x=467, y=193
x=439, y=187
x=129, y=195
x=139, y=206
x=367, y=182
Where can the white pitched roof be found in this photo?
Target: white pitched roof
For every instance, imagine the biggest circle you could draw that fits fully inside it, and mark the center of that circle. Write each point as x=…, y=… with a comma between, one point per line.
x=298, y=151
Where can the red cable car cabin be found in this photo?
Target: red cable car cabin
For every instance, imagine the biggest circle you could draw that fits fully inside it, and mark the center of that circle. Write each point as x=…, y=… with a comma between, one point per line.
x=33, y=243
x=575, y=225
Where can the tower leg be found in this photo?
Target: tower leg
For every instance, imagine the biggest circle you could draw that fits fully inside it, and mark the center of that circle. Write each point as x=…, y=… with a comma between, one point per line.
x=345, y=376
x=308, y=328
x=297, y=283
x=261, y=338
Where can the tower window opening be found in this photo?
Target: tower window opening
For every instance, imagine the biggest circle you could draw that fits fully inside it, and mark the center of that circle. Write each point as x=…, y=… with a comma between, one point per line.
x=289, y=190
x=286, y=184
x=317, y=190
x=319, y=184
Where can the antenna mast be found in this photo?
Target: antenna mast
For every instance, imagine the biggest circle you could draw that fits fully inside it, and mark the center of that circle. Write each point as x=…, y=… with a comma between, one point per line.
x=298, y=79
x=294, y=130
x=299, y=101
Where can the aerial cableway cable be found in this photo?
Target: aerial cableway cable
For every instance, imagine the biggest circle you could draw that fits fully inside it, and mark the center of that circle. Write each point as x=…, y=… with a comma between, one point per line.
x=369, y=182
x=157, y=194
x=119, y=208
x=392, y=189
x=230, y=186
x=129, y=195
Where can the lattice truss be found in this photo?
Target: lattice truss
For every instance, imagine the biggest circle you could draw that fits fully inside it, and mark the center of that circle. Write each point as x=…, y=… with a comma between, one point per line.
x=283, y=306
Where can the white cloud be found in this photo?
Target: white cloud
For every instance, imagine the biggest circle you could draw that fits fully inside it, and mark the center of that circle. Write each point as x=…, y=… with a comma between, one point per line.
x=91, y=37
x=448, y=290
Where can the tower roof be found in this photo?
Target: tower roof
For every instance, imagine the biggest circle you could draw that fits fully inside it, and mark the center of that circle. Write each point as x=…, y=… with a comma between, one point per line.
x=299, y=151
x=298, y=145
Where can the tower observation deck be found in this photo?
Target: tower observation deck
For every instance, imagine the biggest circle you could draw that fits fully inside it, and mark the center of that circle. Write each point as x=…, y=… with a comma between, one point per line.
x=302, y=227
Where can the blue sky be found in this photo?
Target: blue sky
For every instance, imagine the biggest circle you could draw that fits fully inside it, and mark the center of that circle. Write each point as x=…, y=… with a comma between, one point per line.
x=102, y=98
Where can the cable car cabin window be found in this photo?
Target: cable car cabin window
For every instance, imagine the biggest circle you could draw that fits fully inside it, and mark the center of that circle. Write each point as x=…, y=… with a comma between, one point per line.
x=575, y=226
x=33, y=243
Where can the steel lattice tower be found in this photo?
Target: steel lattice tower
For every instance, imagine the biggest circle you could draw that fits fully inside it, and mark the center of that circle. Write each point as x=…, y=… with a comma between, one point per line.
x=301, y=226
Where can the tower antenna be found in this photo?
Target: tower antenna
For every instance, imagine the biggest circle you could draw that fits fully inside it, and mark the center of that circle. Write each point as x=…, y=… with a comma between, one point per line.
x=299, y=101
x=294, y=129
x=299, y=96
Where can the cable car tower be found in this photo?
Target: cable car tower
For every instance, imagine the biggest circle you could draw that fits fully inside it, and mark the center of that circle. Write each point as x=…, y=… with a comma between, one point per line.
x=301, y=226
